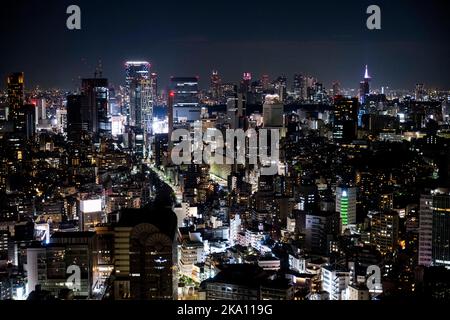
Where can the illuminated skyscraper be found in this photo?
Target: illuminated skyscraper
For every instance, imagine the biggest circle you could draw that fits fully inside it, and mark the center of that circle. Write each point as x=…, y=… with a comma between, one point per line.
x=364, y=87
x=95, y=94
x=16, y=91
x=345, y=123
x=139, y=98
x=186, y=106
x=425, y=229
x=441, y=230
x=346, y=205
x=246, y=82
x=215, y=85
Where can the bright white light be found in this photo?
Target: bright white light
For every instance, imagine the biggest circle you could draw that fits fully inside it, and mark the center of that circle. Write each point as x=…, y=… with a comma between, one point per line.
x=89, y=206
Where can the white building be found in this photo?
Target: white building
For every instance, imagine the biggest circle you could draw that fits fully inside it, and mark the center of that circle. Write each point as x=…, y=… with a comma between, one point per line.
x=334, y=282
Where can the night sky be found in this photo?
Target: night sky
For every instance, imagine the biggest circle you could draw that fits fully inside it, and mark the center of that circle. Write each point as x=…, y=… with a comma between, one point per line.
x=327, y=39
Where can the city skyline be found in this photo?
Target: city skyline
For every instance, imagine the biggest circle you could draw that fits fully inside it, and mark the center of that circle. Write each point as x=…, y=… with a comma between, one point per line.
x=326, y=40
x=242, y=152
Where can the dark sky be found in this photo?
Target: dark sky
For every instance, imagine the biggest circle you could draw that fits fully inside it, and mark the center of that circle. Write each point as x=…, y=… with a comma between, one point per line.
x=327, y=39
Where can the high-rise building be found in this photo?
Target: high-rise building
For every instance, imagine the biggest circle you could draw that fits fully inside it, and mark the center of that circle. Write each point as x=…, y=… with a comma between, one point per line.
x=425, y=230
x=384, y=231
x=273, y=112
x=346, y=205
x=441, y=230
x=95, y=111
x=336, y=88
x=75, y=121
x=364, y=87
x=265, y=82
x=139, y=87
x=246, y=82
x=145, y=254
x=186, y=106
x=16, y=91
x=320, y=229
x=215, y=85
x=154, y=83
x=24, y=120
x=298, y=86
x=345, y=123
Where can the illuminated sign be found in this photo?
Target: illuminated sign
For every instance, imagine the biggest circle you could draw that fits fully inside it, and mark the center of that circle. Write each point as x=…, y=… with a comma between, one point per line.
x=88, y=206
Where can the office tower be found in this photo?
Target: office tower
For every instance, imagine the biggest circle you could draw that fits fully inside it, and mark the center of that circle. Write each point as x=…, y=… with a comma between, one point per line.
x=425, y=230
x=236, y=110
x=246, y=82
x=139, y=98
x=40, y=106
x=24, y=120
x=297, y=86
x=320, y=229
x=280, y=87
x=346, y=205
x=273, y=112
x=154, y=84
x=135, y=71
x=384, y=231
x=215, y=85
x=15, y=84
x=170, y=102
x=95, y=111
x=364, y=87
x=145, y=254
x=75, y=123
x=441, y=230
x=419, y=92
x=336, y=88
x=265, y=82
x=186, y=103
x=345, y=123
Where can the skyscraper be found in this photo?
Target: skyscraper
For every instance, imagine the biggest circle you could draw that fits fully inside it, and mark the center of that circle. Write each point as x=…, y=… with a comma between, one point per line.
x=15, y=89
x=215, y=85
x=95, y=113
x=346, y=205
x=246, y=82
x=75, y=124
x=139, y=97
x=425, y=229
x=186, y=103
x=441, y=230
x=345, y=123
x=364, y=87
x=273, y=112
